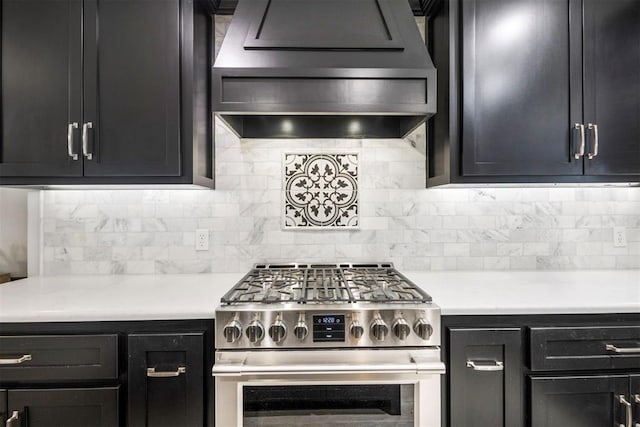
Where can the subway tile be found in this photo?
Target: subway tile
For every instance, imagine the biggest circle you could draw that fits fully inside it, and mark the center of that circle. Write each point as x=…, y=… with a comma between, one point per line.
x=152, y=231
x=457, y=249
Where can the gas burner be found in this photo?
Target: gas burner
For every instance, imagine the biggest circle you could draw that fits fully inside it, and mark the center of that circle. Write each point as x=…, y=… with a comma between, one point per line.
x=287, y=306
x=324, y=283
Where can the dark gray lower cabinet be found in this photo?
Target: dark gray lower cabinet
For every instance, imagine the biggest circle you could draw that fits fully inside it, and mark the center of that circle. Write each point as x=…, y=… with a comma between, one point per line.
x=3, y=407
x=166, y=380
x=585, y=401
x=485, y=371
x=75, y=407
x=635, y=397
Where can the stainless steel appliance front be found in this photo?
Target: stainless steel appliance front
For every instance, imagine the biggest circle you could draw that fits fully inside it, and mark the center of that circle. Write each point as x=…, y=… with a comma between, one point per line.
x=417, y=370
x=326, y=344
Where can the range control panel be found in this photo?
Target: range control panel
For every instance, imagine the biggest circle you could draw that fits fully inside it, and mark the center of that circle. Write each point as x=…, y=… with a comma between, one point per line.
x=286, y=327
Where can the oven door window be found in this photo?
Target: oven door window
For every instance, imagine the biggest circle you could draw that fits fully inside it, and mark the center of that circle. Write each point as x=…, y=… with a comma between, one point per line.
x=353, y=405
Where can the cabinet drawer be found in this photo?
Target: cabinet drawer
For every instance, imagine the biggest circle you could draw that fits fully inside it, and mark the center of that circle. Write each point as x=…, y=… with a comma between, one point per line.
x=58, y=357
x=585, y=348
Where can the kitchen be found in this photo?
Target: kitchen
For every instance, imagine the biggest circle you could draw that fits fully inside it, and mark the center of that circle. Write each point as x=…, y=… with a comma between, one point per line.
x=545, y=253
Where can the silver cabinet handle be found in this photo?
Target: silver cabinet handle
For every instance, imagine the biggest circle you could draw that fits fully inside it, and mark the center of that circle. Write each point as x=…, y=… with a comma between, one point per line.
x=594, y=129
x=151, y=372
x=85, y=140
x=15, y=416
x=70, y=129
x=16, y=361
x=580, y=152
x=627, y=408
x=495, y=366
x=611, y=347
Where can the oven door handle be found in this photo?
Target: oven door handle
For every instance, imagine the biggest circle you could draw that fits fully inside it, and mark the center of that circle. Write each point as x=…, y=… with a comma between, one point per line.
x=328, y=369
x=319, y=362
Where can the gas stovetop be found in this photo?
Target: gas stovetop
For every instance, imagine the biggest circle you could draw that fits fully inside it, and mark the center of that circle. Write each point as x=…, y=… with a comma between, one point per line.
x=322, y=284
x=326, y=306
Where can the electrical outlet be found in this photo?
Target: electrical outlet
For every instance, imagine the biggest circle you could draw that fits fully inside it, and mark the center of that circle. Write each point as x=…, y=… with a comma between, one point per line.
x=202, y=240
x=619, y=237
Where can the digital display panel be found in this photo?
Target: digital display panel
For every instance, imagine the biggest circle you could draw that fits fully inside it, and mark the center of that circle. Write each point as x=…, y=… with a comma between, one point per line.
x=328, y=328
x=328, y=320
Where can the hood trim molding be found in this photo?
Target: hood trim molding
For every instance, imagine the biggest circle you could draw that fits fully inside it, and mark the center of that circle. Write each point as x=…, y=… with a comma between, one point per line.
x=228, y=7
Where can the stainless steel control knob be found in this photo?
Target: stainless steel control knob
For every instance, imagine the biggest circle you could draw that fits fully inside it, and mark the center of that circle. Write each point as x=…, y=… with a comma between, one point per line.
x=401, y=328
x=379, y=329
x=278, y=331
x=422, y=328
x=356, y=330
x=255, y=331
x=232, y=331
x=301, y=330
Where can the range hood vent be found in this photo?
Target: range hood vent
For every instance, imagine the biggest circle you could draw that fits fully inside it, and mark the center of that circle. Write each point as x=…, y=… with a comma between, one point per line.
x=323, y=69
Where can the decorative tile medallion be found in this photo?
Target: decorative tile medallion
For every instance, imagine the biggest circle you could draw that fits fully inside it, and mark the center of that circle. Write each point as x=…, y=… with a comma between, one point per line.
x=320, y=190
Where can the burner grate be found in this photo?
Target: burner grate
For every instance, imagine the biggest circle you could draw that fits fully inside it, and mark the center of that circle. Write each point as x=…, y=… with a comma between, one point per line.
x=340, y=283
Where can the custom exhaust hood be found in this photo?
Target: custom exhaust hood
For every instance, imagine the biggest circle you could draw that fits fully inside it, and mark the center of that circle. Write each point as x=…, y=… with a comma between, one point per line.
x=323, y=69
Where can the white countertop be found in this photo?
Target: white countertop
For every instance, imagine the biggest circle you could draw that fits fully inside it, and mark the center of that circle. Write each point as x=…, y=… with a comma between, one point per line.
x=190, y=296
x=532, y=292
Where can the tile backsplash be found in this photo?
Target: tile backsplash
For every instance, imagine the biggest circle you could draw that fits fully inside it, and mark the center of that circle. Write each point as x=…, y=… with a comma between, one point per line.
x=153, y=231
x=320, y=191
x=13, y=232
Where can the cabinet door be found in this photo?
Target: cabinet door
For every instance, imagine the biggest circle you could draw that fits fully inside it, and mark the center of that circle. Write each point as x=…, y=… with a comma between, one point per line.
x=521, y=87
x=41, y=87
x=483, y=393
x=78, y=407
x=166, y=380
x=132, y=87
x=635, y=398
x=589, y=401
x=612, y=85
x=3, y=407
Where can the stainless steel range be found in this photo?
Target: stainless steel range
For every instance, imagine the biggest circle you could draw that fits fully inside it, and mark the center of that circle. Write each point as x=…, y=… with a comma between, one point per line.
x=285, y=333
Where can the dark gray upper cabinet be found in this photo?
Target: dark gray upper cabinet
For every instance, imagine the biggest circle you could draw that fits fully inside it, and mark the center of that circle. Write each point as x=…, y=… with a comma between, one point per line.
x=521, y=87
x=612, y=85
x=133, y=48
x=517, y=80
x=106, y=92
x=41, y=87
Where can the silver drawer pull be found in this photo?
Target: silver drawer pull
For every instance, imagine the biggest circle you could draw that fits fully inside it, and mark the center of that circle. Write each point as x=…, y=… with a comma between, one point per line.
x=70, y=151
x=580, y=152
x=85, y=140
x=611, y=347
x=627, y=408
x=151, y=372
x=494, y=366
x=15, y=416
x=594, y=129
x=16, y=361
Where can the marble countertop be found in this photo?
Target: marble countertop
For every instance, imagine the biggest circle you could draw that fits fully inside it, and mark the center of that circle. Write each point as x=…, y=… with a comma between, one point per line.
x=165, y=297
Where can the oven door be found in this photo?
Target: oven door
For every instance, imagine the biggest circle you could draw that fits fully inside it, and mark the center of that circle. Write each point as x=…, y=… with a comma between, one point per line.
x=328, y=387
